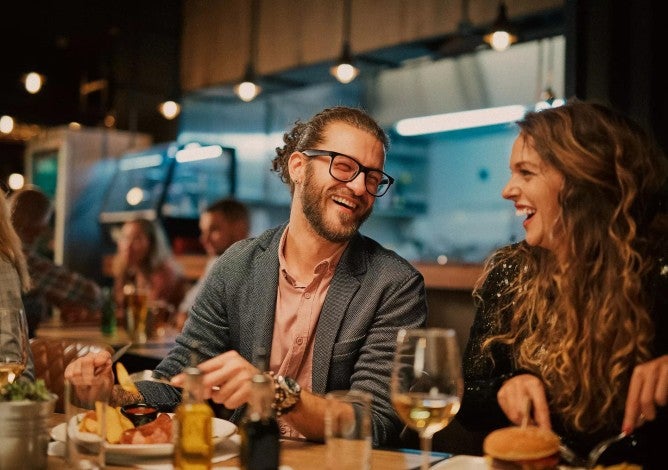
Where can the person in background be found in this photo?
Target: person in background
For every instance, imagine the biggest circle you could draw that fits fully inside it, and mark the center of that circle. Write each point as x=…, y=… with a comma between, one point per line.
x=574, y=319
x=52, y=285
x=325, y=302
x=223, y=223
x=144, y=259
x=14, y=276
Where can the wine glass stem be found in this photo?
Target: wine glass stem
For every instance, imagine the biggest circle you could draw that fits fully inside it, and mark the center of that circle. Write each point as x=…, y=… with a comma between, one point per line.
x=425, y=446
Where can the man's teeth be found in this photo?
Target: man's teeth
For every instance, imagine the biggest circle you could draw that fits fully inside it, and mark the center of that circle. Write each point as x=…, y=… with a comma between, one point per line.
x=345, y=202
x=525, y=212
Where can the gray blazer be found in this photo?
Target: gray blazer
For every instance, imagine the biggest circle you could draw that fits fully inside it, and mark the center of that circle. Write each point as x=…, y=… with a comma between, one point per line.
x=373, y=294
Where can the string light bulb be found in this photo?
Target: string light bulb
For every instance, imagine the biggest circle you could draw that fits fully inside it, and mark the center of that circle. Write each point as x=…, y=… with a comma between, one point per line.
x=501, y=35
x=247, y=90
x=169, y=109
x=344, y=70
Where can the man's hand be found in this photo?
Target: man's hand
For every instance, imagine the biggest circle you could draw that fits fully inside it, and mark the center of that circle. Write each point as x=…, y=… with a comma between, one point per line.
x=231, y=376
x=88, y=369
x=513, y=396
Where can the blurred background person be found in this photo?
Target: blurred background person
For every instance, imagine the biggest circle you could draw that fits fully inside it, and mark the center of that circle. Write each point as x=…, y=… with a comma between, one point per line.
x=14, y=277
x=144, y=261
x=223, y=223
x=53, y=285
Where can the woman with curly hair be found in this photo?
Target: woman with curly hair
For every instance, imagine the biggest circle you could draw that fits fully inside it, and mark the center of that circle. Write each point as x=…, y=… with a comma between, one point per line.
x=573, y=320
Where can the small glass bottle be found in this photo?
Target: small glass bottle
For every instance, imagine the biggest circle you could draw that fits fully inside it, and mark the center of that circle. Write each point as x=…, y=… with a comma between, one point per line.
x=108, y=322
x=193, y=445
x=259, y=429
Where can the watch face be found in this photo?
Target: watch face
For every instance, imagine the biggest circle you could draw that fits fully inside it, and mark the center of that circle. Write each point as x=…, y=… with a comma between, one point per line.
x=292, y=385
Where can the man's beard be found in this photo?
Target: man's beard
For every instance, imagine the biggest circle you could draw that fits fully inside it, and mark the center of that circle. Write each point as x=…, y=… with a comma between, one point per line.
x=314, y=207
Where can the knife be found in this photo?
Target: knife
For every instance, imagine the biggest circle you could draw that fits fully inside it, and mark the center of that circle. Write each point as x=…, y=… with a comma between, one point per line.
x=117, y=355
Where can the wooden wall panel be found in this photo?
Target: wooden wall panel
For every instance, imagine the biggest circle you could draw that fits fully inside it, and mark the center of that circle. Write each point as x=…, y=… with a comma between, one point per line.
x=293, y=33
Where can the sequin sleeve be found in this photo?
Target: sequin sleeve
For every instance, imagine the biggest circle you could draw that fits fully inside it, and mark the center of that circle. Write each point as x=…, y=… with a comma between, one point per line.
x=485, y=370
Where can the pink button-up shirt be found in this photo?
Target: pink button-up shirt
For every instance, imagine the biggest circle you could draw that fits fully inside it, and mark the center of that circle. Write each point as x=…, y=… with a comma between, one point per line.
x=297, y=312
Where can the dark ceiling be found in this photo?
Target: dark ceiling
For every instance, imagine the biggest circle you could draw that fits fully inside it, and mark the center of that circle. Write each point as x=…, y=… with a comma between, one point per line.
x=132, y=45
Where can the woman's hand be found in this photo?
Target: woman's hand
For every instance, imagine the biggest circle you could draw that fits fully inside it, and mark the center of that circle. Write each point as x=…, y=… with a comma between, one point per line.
x=230, y=374
x=514, y=395
x=647, y=390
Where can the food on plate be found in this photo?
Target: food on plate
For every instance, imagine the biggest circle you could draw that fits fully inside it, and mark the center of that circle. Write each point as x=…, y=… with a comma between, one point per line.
x=158, y=431
x=522, y=448
x=116, y=422
x=124, y=379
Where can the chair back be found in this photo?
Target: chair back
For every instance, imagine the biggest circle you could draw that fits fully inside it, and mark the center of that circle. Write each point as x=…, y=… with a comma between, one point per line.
x=52, y=355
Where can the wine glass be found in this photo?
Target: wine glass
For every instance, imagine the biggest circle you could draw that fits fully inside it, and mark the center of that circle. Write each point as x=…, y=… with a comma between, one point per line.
x=13, y=344
x=426, y=384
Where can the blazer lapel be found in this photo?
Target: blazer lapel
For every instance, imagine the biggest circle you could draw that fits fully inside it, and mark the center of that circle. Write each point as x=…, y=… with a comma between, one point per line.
x=261, y=301
x=343, y=287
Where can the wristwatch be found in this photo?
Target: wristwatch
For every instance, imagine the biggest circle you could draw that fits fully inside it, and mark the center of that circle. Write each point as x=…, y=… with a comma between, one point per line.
x=286, y=394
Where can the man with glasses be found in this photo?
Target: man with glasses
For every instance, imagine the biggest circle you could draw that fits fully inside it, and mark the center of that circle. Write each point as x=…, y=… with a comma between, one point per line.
x=325, y=302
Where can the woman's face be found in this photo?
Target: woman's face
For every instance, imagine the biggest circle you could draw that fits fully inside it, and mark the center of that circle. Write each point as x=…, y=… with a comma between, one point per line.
x=534, y=187
x=133, y=243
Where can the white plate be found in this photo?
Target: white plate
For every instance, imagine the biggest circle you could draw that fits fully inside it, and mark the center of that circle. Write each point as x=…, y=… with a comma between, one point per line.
x=461, y=462
x=221, y=430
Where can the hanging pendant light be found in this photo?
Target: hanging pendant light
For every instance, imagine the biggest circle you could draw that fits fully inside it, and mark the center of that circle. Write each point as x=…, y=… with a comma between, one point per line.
x=248, y=89
x=502, y=34
x=344, y=69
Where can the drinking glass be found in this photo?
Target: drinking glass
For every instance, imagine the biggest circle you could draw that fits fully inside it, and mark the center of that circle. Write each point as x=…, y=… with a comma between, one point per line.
x=348, y=430
x=13, y=344
x=426, y=383
x=136, y=312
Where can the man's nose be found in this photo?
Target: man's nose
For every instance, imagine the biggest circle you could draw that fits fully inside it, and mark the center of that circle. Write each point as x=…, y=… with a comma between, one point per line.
x=358, y=184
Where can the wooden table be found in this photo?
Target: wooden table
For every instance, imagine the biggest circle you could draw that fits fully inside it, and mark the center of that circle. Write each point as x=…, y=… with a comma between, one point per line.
x=300, y=455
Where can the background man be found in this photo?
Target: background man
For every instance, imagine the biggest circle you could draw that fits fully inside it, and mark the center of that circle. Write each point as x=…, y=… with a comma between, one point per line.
x=52, y=285
x=221, y=224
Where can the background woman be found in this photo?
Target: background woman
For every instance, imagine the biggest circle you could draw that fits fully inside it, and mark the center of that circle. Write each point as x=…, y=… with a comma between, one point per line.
x=14, y=277
x=144, y=259
x=574, y=318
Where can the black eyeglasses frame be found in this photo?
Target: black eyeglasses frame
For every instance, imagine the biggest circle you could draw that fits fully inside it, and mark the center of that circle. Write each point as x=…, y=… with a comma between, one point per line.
x=311, y=153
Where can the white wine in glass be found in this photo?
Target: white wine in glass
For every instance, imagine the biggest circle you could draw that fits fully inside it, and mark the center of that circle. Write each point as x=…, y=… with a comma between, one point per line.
x=13, y=344
x=426, y=383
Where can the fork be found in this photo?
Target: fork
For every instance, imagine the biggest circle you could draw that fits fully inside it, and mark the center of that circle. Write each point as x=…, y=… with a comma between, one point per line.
x=601, y=447
x=147, y=376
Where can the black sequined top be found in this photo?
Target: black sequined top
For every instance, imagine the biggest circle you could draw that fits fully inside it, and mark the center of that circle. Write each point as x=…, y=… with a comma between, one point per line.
x=484, y=373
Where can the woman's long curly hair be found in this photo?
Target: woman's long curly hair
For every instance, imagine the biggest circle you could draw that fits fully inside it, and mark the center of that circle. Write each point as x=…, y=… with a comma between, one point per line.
x=583, y=324
x=307, y=135
x=11, y=246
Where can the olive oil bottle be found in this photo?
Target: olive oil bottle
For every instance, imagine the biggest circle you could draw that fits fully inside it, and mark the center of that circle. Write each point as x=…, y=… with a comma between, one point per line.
x=193, y=445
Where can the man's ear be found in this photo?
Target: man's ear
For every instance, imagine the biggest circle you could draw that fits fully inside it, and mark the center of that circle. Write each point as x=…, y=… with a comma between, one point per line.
x=296, y=165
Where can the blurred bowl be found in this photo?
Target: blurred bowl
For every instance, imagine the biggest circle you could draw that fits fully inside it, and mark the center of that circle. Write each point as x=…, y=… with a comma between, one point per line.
x=140, y=413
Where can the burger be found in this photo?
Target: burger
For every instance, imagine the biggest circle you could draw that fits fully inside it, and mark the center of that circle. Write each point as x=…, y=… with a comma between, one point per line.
x=522, y=448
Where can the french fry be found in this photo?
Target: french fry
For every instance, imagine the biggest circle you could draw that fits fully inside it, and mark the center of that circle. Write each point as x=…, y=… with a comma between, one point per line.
x=116, y=422
x=124, y=379
x=114, y=427
x=89, y=422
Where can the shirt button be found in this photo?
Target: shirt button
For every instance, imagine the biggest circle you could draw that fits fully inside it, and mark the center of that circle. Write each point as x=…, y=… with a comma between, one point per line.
x=307, y=295
x=300, y=341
